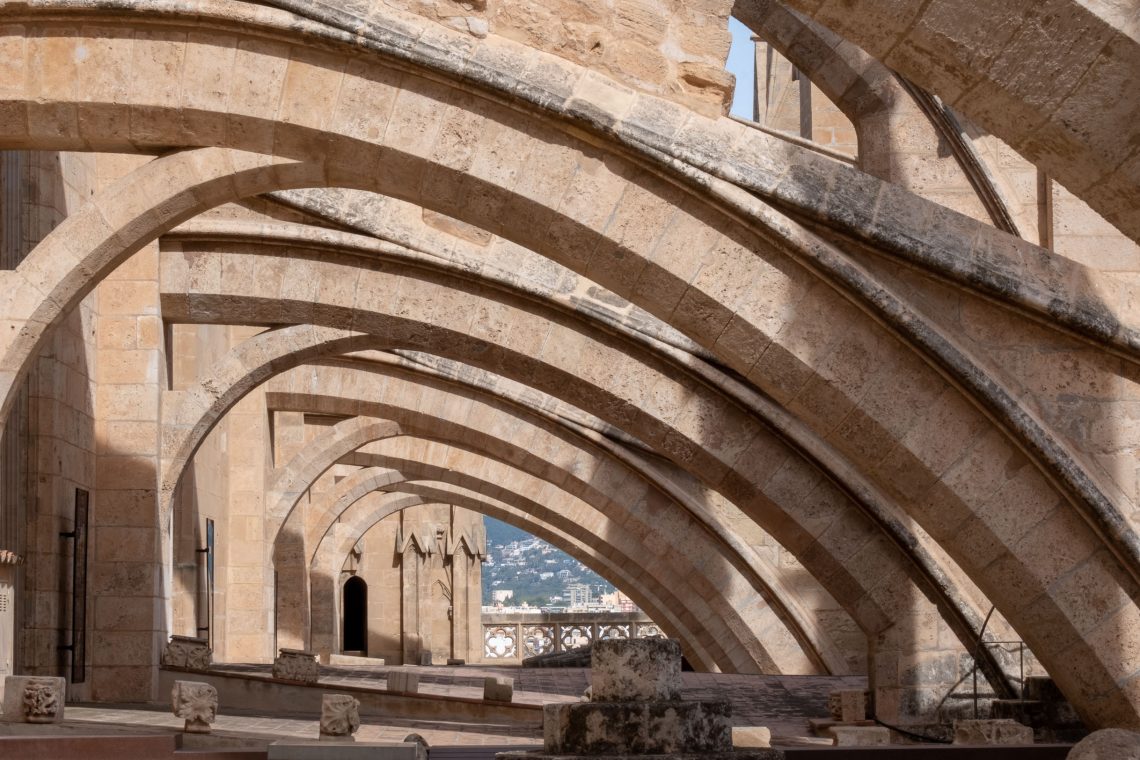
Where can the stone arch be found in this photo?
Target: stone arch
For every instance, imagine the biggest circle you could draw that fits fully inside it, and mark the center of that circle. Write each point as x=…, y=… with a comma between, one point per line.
x=889, y=115
x=1006, y=74
x=393, y=411
x=953, y=602
x=311, y=273
x=1097, y=508
x=1042, y=585
x=192, y=412
x=676, y=592
x=324, y=562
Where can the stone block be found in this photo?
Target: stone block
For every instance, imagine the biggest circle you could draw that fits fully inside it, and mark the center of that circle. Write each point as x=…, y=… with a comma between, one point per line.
x=859, y=736
x=196, y=703
x=187, y=652
x=619, y=728
x=498, y=688
x=1107, y=744
x=456, y=661
x=403, y=681
x=847, y=705
x=340, y=716
x=751, y=736
x=34, y=699
x=991, y=732
x=296, y=665
x=635, y=669
x=425, y=658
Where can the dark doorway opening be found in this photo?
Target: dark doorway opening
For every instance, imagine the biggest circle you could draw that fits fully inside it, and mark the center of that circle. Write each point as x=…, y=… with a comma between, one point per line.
x=355, y=616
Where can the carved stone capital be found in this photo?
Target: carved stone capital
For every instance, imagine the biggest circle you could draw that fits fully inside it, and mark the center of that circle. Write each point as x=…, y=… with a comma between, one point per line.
x=340, y=716
x=187, y=652
x=296, y=665
x=196, y=703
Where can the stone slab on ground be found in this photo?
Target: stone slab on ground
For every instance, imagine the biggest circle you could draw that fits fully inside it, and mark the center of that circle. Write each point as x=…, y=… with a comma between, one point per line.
x=352, y=660
x=860, y=736
x=325, y=750
x=1001, y=731
x=823, y=726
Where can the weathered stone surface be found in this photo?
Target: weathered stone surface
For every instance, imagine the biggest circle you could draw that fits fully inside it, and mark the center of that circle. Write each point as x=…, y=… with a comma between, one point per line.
x=353, y=660
x=187, y=652
x=403, y=681
x=421, y=743
x=751, y=737
x=196, y=703
x=296, y=665
x=991, y=732
x=848, y=706
x=636, y=727
x=498, y=688
x=34, y=699
x=637, y=669
x=1107, y=744
x=340, y=716
x=859, y=736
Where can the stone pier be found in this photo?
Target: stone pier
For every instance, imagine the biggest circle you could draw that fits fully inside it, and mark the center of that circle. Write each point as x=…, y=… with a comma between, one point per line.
x=635, y=709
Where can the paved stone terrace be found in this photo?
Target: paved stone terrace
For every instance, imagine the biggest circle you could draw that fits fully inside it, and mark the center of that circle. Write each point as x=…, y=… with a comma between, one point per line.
x=783, y=703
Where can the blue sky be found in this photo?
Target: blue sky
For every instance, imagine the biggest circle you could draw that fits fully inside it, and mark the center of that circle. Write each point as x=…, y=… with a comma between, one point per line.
x=740, y=63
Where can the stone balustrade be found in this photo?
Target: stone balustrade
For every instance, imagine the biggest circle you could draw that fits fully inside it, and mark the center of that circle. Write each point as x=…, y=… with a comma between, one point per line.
x=514, y=636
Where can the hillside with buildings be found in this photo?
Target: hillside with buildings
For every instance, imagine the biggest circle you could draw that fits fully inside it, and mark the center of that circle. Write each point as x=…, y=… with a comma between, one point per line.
x=524, y=570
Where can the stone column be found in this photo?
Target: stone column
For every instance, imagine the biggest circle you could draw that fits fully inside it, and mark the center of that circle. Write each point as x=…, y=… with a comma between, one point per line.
x=8, y=562
x=468, y=549
x=129, y=550
x=411, y=574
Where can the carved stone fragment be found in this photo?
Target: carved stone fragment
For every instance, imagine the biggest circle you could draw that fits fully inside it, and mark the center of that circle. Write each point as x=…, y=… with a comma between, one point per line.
x=340, y=716
x=34, y=699
x=187, y=652
x=296, y=665
x=196, y=703
x=42, y=700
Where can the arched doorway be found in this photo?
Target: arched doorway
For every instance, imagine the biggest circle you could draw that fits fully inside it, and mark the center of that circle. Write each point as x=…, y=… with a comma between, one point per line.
x=355, y=616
